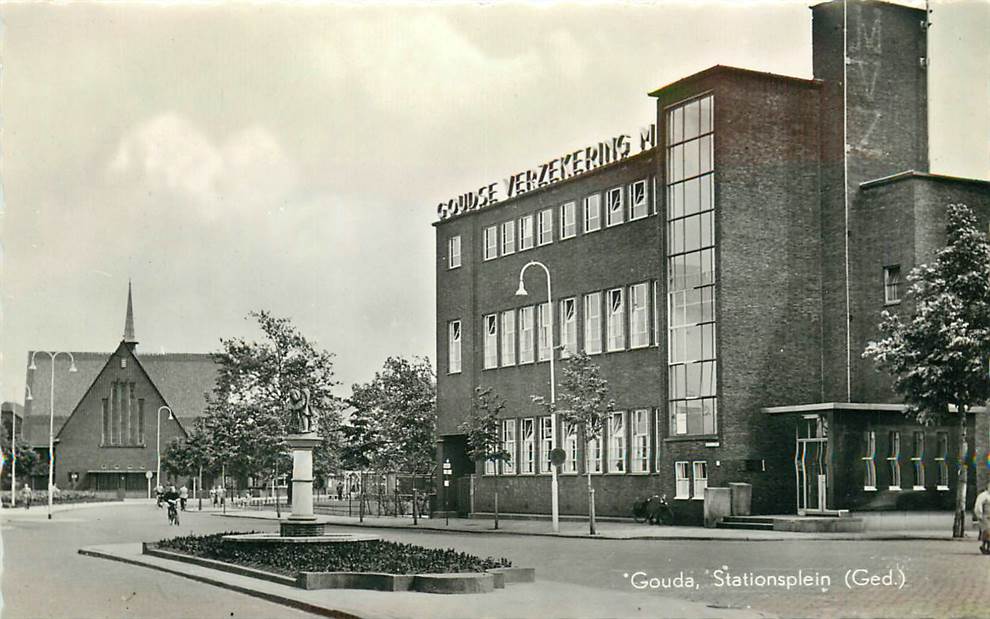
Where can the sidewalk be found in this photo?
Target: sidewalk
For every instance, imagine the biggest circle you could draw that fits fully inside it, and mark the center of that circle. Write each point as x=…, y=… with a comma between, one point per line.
x=605, y=530
x=537, y=600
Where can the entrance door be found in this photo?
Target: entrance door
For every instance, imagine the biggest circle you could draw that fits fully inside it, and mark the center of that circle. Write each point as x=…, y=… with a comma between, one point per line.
x=811, y=465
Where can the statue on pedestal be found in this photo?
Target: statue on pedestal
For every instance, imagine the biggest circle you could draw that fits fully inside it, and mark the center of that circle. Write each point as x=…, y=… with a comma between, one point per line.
x=303, y=419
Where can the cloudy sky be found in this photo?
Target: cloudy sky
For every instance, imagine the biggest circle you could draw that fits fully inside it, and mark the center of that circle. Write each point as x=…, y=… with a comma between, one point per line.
x=232, y=157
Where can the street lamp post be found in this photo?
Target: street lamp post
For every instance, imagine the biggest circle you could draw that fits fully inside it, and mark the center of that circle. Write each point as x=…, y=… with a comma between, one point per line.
x=158, y=422
x=554, y=491
x=13, y=449
x=51, y=419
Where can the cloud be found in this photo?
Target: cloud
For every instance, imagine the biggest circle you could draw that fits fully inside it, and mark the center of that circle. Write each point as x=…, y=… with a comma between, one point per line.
x=169, y=154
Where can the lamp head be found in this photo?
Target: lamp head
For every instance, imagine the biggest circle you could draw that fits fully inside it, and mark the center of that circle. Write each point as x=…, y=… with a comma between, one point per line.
x=32, y=366
x=29, y=397
x=72, y=367
x=522, y=289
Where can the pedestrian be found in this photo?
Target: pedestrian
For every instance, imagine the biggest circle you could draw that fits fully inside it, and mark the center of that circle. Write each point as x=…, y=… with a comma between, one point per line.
x=56, y=493
x=981, y=513
x=183, y=495
x=340, y=491
x=26, y=496
x=213, y=496
x=159, y=491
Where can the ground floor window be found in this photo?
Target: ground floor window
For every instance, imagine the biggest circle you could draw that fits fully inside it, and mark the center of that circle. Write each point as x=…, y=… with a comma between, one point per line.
x=546, y=443
x=941, y=453
x=509, y=445
x=893, y=460
x=682, y=479
x=870, y=461
x=570, y=448
x=641, y=441
x=918, y=461
x=700, y=470
x=594, y=448
x=617, y=442
x=528, y=446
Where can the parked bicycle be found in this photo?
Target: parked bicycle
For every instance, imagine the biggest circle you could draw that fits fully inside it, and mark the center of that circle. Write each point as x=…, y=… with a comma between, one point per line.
x=655, y=510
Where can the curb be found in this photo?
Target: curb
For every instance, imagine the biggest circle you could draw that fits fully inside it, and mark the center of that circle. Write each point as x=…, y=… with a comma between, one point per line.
x=270, y=597
x=836, y=537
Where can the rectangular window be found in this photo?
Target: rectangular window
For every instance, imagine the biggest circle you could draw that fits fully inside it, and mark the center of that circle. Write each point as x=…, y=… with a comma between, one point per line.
x=613, y=207
x=508, y=338
x=568, y=327
x=509, y=445
x=700, y=470
x=141, y=421
x=870, y=461
x=525, y=232
x=615, y=320
x=570, y=448
x=454, y=252
x=617, y=442
x=489, y=467
x=918, y=461
x=892, y=284
x=528, y=446
x=508, y=238
x=893, y=460
x=526, y=338
x=545, y=224
x=592, y=213
x=593, y=323
x=104, y=440
x=491, y=243
x=454, y=347
x=491, y=341
x=941, y=460
x=594, y=447
x=568, y=221
x=546, y=443
x=658, y=436
x=639, y=319
x=682, y=479
x=641, y=441
x=544, y=339
x=638, y=205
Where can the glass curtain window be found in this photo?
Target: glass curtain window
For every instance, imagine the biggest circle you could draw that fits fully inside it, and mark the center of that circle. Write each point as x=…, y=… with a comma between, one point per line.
x=508, y=338
x=593, y=323
x=613, y=207
x=893, y=460
x=509, y=445
x=528, y=446
x=545, y=232
x=570, y=448
x=544, y=340
x=526, y=232
x=617, y=442
x=682, y=480
x=616, y=320
x=692, y=363
x=491, y=341
x=592, y=212
x=546, y=443
x=700, y=470
x=870, y=461
x=454, y=347
x=639, y=319
x=568, y=222
x=454, y=251
x=508, y=238
x=568, y=327
x=527, y=340
x=641, y=441
x=491, y=242
x=638, y=205
x=918, y=460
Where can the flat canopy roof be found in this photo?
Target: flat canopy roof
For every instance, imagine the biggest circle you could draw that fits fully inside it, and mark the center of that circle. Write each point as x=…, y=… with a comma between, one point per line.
x=848, y=406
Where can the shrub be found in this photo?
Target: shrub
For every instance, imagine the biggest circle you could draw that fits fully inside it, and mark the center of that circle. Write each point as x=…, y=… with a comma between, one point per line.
x=371, y=556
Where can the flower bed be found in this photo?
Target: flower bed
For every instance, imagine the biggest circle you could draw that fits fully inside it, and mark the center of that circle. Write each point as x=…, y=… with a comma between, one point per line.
x=39, y=497
x=367, y=556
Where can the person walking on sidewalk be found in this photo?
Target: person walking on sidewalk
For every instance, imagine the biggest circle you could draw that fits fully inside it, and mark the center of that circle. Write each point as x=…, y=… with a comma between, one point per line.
x=340, y=491
x=981, y=513
x=26, y=496
x=183, y=495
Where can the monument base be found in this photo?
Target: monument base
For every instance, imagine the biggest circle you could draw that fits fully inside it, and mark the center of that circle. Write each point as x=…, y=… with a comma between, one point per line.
x=300, y=528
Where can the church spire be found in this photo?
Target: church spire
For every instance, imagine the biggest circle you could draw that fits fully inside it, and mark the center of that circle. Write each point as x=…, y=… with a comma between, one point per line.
x=129, y=338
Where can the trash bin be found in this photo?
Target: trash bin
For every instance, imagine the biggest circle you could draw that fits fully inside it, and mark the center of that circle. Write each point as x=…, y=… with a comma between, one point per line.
x=742, y=498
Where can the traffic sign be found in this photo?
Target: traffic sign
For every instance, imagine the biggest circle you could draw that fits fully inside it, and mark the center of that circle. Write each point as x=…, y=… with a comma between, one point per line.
x=148, y=474
x=557, y=456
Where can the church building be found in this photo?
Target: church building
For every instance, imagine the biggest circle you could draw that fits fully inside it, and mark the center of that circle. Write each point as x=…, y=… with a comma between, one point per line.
x=112, y=411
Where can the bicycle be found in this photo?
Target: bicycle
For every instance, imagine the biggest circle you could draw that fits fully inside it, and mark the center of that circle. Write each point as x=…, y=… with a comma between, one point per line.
x=655, y=509
x=173, y=513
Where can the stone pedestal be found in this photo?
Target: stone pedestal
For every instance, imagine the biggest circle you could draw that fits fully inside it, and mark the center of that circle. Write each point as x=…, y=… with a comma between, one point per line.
x=302, y=521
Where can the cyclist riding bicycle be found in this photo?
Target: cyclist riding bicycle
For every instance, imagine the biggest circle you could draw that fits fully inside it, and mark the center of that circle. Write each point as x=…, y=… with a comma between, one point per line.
x=171, y=498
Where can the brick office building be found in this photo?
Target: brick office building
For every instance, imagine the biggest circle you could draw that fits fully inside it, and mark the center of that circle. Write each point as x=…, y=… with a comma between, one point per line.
x=727, y=279
x=105, y=427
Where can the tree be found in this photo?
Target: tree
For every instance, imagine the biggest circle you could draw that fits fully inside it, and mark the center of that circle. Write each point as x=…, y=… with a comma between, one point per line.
x=938, y=355
x=191, y=456
x=582, y=402
x=28, y=462
x=395, y=419
x=247, y=417
x=483, y=428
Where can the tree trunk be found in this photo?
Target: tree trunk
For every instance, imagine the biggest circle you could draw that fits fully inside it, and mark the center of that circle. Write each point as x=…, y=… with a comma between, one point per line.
x=959, y=521
x=415, y=500
x=496, y=501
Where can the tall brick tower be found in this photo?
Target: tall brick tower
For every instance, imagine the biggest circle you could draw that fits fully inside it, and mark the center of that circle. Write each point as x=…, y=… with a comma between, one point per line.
x=872, y=58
